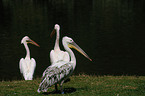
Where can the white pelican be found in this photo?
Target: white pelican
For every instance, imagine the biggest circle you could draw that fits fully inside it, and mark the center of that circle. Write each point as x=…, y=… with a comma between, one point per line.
x=27, y=65
x=57, y=54
x=61, y=70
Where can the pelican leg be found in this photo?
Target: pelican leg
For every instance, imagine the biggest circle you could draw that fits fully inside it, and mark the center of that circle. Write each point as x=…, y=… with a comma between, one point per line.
x=61, y=88
x=56, y=87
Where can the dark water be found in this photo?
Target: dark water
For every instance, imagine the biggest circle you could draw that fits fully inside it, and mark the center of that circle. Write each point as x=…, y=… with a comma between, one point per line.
x=111, y=32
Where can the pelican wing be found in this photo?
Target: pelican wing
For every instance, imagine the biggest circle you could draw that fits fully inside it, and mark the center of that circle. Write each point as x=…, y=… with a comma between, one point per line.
x=55, y=74
x=58, y=56
x=23, y=68
x=66, y=57
x=21, y=63
x=32, y=67
x=52, y=58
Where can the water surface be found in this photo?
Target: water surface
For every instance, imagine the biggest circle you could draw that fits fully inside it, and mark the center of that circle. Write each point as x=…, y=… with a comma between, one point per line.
x=111, y=32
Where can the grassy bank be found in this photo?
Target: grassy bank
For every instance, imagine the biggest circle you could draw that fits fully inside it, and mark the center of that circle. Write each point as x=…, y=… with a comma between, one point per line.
x=82, y=85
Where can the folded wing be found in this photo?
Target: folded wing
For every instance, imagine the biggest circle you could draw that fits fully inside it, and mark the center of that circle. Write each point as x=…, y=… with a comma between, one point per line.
x=55, y=74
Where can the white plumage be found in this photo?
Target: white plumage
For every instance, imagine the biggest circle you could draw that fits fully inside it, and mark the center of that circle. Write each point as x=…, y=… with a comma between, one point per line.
x=57, y=54
x=27, y=65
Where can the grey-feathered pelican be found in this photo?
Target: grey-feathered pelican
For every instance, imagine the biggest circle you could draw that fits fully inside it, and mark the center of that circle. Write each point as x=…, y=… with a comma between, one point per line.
x=27, y=65
x=61, y=70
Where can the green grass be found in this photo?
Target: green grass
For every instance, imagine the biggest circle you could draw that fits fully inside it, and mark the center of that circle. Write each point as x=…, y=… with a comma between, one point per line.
x=81, y=85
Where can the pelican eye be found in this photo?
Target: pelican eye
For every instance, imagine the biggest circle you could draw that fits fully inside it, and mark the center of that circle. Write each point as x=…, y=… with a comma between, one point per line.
x=71, y=40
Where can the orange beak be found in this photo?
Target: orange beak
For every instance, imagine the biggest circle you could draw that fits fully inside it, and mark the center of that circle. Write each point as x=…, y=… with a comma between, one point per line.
x=34, y=43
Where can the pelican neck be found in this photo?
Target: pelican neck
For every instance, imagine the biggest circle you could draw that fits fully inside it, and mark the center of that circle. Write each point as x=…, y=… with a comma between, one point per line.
x=56, y=47
x=73, y=59
x=27, y=51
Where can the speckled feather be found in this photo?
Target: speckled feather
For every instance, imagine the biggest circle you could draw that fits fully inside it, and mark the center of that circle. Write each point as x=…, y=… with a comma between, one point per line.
x=55, y=74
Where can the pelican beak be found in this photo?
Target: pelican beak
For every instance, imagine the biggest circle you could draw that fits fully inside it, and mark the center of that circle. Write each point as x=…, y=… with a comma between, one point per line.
x=75, y=46
x=52, y=33
x=32, y=42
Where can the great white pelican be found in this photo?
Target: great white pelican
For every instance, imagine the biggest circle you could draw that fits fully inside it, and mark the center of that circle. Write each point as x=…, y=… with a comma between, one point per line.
x=57, y=54
x=27, y=65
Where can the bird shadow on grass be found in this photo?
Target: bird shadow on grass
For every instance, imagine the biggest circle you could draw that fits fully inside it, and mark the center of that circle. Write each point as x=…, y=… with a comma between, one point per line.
x=66, y=90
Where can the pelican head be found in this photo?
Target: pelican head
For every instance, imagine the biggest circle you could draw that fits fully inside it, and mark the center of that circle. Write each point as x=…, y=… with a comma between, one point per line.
x=56, y=29
x=26, y=40
x=72, y=44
